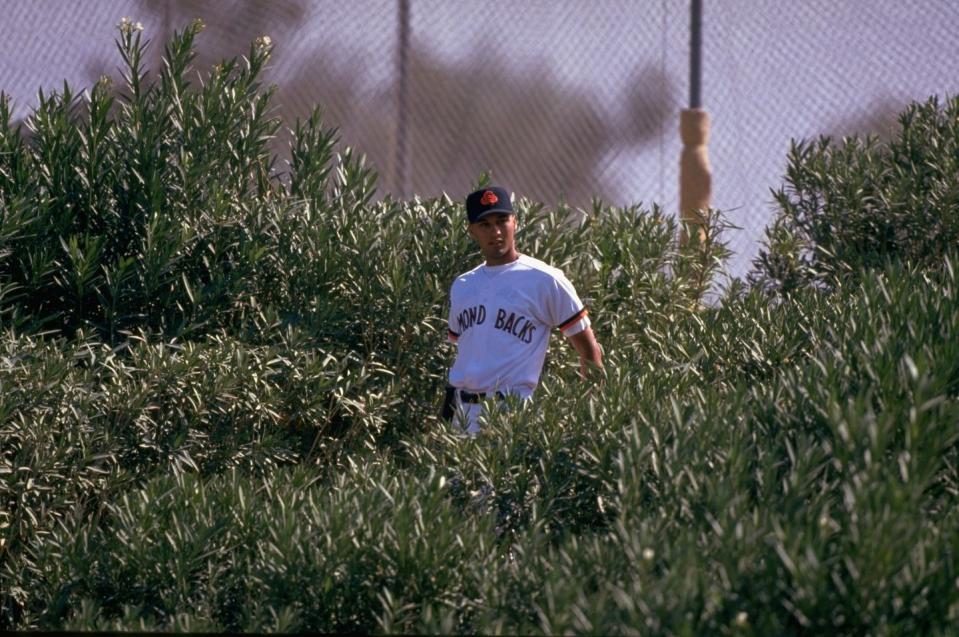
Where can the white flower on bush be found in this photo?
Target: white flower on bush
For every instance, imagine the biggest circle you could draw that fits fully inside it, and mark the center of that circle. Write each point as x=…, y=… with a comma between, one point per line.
x=127, y=26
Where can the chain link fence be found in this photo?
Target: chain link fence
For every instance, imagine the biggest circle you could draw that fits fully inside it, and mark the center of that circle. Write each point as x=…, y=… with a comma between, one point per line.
x=559, y=100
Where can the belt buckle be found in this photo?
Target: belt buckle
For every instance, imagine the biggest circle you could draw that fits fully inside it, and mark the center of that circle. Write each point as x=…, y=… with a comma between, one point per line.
x=470, y=397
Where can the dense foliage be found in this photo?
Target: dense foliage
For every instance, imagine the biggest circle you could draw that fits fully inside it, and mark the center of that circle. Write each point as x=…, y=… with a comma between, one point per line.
x=862, y=203
x=219, y=380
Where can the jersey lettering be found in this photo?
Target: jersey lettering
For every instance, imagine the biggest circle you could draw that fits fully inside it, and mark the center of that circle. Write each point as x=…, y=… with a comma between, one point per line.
x=469, y=317
x=519, y=326
x=526, y=334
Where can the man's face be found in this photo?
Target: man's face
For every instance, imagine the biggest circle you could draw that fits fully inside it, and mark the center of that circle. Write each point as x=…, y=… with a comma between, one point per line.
x=495, y=234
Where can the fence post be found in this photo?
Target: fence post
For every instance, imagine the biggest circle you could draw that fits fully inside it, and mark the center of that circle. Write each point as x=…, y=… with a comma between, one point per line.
x=695, y=175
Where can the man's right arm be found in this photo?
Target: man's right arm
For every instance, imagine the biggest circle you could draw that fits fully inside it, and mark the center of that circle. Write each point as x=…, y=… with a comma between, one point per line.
x=590, y=354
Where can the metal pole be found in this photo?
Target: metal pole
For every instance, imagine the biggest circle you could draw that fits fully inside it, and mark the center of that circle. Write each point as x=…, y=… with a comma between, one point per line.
x=403, y=46
x=695, y=53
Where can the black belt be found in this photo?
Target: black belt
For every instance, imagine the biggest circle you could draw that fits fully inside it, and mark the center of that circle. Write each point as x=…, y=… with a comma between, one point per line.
x=470, y=397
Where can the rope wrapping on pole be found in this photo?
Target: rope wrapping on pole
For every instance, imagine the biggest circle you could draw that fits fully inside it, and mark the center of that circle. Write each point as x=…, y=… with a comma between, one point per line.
x=695, y=173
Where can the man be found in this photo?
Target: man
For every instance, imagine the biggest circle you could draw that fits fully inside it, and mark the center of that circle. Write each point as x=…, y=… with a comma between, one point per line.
x=501, y=314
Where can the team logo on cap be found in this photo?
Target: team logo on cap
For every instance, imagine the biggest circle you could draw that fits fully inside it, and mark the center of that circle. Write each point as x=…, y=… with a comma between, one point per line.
x=489, y=198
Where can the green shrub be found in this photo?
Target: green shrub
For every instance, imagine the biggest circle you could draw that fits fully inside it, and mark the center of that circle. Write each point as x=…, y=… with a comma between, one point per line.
x=218, y=387
x=862, y=202
x=148, y=211
x=277, y=552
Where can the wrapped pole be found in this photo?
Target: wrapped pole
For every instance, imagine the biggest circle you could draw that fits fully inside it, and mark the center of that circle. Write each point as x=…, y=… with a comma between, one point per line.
x=695, y=174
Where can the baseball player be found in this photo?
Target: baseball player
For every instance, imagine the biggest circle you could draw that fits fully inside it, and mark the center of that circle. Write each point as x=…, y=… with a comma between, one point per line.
x=501, y=314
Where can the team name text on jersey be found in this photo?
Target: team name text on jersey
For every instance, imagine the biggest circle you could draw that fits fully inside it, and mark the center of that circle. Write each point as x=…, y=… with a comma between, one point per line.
x=471, y=316
x=518, y=326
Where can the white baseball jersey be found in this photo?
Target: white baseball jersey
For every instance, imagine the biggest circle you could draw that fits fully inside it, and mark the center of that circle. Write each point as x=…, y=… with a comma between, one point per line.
x=500, y=319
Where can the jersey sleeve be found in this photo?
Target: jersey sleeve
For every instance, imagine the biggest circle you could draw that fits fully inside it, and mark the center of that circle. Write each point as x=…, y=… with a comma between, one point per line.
x=566, y=310
x=450, y=321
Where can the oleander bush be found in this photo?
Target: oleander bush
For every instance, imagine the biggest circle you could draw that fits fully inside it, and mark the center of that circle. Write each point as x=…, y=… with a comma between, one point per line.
x=219, y=377
x=860, y=203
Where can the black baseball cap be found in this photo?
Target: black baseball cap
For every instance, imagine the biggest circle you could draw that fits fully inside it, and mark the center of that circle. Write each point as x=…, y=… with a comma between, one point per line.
x=486, y=201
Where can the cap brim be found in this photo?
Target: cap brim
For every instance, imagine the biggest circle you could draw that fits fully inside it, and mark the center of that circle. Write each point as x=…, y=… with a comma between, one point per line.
x=496, y=211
